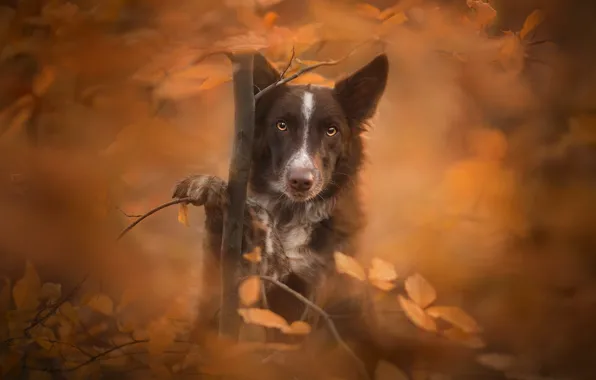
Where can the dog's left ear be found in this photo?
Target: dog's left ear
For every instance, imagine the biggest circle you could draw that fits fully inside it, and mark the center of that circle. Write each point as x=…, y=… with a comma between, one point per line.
x=360, y=93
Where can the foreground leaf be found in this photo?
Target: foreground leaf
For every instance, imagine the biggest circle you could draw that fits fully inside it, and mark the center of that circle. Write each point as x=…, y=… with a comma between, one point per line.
x=348, y=265
x=469, y=340
x=250, y=290
x=532, y=21
x=263, y=317
x=102, y=304
x=254, y=256
x=456, y=317
x=417, y=315
x=26, y=291
x=298, y=328
x=420, y=290
x=381, y=272
x=183, y=214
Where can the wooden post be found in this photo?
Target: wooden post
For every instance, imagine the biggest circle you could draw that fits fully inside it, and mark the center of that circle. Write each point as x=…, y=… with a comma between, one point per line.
x=244, y=120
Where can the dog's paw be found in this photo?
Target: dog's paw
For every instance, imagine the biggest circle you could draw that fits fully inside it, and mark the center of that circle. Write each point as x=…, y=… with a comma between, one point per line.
x=202, y=190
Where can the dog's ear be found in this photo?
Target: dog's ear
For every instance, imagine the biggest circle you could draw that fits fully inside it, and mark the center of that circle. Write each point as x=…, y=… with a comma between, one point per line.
x=264, y=74
x=360, y=92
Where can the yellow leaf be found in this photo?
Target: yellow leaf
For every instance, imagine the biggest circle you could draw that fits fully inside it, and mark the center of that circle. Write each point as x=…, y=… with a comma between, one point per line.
x=368, y=10
x=348, y=265
x=50, y=291
x=44, y=337
x=263, y=317
x=298, y=328
x=456, y=317
x=254, y=256
x=26, y=291
x=250, y=290
x=183, y=214
x=420, y=290
x=269, y=19
x=67, y=310
x=485, y=13
x=43, y=81
x=102, y=304
x=470, y=340
x=532, y=21
x=382, y=285
x=499, y=362
x=417, y=315
x=381, y=270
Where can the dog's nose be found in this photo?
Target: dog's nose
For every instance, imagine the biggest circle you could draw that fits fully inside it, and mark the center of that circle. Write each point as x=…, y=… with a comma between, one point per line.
x=301, y=179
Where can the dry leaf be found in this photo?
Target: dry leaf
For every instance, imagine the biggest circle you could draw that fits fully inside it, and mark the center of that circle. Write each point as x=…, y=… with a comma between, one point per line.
x=263, y=317
x=43, y=81
x=68, y=311
x=183, y=214
x=485, y=13
x=26, y=291
x=470, y=340
x=382, y=285
x=381, y=270
x=254, y=256
x=416, y=314
x=50, y=291
x=298, y=328
x=269, y=19
x=456, y=317
x=348, y=265
x=420, y=290
x=250, y=290
x=499, y=362
x=532, y=21
x=102, y=304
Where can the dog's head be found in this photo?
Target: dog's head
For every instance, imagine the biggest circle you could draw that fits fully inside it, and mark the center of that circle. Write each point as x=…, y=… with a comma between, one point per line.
x=308, y=138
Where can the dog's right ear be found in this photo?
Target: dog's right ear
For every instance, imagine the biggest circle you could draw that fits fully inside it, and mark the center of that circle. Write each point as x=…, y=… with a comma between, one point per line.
x=264, y=74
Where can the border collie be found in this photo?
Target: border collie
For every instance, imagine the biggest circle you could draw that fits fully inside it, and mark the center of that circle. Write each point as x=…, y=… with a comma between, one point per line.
x=303, y=200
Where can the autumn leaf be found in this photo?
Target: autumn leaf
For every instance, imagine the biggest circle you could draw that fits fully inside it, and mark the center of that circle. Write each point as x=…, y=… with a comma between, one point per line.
x=50, y=291
x=381, y=270
x=43, y=81
x=26, y=291
x=247, y=43
x=368, y=10
x=416, y=314
x=456, y=317
x=499, y=362
x=43, y=336
x=102, y=304
x=68, y=311
x=250, y=290
x=485, y=13
x=263, y=317
x=470, y=340
x=532, y=21
x=298, y=328
x=254, y=256
x=348, y=265
x=183, y=214
x=420, y=290
x=269, y=19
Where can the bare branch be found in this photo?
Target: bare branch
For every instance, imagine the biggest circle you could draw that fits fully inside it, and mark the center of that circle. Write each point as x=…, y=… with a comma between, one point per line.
x=283, y=73
x=151, y=212
x=328, y=320
x=306, y=70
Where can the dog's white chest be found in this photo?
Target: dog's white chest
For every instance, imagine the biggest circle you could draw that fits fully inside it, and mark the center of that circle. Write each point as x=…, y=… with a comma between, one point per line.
x=295, y=243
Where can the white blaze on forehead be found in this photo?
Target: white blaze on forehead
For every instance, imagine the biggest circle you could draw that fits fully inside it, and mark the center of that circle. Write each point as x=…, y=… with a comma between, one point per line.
x=301, y=157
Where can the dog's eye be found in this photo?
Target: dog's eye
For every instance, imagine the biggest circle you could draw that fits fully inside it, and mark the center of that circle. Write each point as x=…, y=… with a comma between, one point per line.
x=281, y=125
x=331, y=131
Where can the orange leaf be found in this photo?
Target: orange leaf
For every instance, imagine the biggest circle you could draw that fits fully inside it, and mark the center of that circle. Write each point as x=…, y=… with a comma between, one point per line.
x=485, y=13
x=381, y=270
x=348, y=265
x=532, y=21
x=420, y=290
x=382, y=285
x=250, y=290
x=416, y=314
x=246, y=43
x=298, y=328
x=183, y=214
x=499, y=362
x=368, y=10
x=263, y=317
x=270, y=19
x=470, y=340
x=456, y=317
x=254, y=256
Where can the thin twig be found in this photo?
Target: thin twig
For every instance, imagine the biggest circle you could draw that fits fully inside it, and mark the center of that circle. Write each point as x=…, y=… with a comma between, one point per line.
x=128, y=215
x=151, y=212
x=283, y=73
x=330, y=324
x=306, y=70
